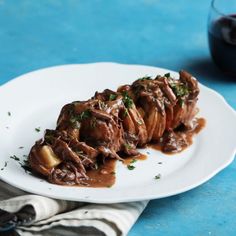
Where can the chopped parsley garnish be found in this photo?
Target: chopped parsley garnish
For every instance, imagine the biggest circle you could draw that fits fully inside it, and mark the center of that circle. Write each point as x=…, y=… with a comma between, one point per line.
x=133, y=161
x=25, y=165
x=9, y=113
x=14, y=157
x=145, y=78
x=5, y=165
x=76, y=124
x=37, y=129
x=127, y=100
x=125, y=112
x=73, y=119
x=84, y=115
x=108, y=186
x=48, y=137
x=76, y=119
x=112, y=97
x=157, y=176
x=128, y=146
x=21, y=147
x=179, y=89
x=26, y=162
x=113, y=173
x=27, y=169
x=167, y=75
x=130, y=167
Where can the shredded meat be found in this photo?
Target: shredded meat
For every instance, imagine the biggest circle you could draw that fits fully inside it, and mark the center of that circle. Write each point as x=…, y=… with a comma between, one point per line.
x=112, y=124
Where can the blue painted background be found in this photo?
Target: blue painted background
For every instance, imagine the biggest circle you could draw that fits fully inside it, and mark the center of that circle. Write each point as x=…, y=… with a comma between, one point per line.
x=170, y=34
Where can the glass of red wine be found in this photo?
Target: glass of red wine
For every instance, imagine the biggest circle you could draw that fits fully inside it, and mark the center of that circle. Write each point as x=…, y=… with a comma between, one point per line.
x=222, y=35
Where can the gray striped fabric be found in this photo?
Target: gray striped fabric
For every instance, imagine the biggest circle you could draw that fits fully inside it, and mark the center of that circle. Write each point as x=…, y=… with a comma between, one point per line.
x=58, y=217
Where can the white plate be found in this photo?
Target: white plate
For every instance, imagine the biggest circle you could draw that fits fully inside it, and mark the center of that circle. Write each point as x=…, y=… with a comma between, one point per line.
x=35, y=100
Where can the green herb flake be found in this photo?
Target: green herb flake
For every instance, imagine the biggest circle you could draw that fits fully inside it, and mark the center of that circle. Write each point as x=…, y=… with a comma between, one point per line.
x=167, y=75
x=112, y=97
x=48, y=138
x=14, y=157
x=128, y=146
x=26, y=167
x=5, y=165
x=21, y=147
x=133, y=161
x=131, y=167
x=145, y=78
x=84, y=115
x=128, y=101
x=9, y=113
x=179, y=89
x=76, y=119
x=38, y=129
x=113, y=173
x=125, y=112
x=108, y=186
x=73, y=119
x=157, y=176
x=76, y=125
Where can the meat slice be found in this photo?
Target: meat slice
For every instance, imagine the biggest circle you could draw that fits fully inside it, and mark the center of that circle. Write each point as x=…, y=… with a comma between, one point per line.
x=150, y=99
x=139, y=126
x=191, y=83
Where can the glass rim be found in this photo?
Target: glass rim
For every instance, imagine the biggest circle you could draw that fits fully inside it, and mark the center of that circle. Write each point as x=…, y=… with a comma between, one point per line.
x=221, y=13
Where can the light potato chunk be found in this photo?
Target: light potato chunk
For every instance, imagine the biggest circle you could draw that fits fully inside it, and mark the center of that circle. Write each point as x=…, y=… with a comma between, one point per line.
x=48, y=157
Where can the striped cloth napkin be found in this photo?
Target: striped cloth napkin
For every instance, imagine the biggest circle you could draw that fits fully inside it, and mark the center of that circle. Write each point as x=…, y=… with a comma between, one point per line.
x=41, y=216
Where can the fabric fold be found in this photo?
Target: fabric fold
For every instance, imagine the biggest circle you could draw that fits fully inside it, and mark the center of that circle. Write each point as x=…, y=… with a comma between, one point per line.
x=51, y=216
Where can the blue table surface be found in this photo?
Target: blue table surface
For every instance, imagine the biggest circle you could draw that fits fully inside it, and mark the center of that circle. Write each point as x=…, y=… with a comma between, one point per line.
x=170, y=34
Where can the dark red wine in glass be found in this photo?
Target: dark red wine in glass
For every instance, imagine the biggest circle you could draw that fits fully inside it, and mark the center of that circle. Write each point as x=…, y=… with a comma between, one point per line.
x=222, y=42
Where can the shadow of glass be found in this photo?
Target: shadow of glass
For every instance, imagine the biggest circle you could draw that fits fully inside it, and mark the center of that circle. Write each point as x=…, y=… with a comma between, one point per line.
x=206, y=69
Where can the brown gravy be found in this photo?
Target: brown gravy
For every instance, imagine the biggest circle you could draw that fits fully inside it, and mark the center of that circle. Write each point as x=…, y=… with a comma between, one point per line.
x=177, y=141
x=104, y=176
x=129, y=160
